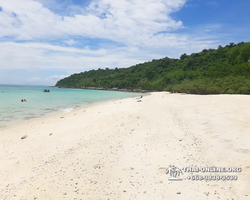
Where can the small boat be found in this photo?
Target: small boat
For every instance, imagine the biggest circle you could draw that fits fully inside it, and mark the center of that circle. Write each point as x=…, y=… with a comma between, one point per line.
x=46, y=90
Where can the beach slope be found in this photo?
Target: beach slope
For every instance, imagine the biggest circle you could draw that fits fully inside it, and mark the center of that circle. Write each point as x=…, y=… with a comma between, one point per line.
x=121, y=149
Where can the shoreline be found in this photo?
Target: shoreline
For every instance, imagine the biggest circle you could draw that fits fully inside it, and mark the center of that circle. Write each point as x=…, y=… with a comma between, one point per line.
x=121, y=149
x=193, y=92
x=61, y=112
x=107, y=89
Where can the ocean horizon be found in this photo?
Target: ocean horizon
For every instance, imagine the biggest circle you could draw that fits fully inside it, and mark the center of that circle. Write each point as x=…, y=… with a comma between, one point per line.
x=40, y=103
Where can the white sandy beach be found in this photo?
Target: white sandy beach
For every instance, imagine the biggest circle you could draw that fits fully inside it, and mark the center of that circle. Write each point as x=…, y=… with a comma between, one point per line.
x=120, y=150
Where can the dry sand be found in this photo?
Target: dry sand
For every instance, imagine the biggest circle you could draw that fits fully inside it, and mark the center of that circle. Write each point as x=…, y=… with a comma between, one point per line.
x=121, y=149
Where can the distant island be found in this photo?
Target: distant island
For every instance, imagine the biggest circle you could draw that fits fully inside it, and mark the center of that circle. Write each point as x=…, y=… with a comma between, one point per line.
x=225, y=70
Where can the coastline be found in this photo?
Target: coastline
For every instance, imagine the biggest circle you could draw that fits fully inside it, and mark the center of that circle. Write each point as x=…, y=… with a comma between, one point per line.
x=107, y=89
x=21, y=113
x=60, y=112
x=120, y=149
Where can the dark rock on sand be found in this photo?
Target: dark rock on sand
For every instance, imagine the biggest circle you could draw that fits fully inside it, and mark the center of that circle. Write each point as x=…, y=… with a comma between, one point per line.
x=24, y=137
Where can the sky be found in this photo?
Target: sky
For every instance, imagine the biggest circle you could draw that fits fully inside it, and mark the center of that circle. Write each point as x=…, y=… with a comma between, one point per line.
x=43, y=41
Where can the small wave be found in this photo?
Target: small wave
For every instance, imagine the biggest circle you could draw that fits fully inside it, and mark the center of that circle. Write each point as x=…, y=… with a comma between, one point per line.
x=17, y=111
x=50, y=109
x=28, y=118
x=67, y=110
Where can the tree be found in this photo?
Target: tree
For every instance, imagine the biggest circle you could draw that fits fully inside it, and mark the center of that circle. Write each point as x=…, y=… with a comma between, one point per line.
x=225, y=70
x=183, y=56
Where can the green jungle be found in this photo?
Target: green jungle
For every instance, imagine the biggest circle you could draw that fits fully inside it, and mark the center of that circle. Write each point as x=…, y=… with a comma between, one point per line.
x=225, y=70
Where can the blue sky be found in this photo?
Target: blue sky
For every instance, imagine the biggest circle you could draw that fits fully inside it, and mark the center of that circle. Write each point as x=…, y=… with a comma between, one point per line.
x=42, y=41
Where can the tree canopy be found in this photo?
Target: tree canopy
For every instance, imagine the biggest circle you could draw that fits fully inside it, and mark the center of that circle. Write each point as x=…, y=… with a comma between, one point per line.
x=225, y=70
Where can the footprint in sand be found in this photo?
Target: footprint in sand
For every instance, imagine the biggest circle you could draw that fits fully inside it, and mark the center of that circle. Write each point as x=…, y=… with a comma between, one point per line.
x=98, y=166
x=246, y=151
x=215, y=137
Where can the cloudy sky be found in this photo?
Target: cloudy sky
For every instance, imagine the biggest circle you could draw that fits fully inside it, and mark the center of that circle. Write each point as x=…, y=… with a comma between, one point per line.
x=42, y=41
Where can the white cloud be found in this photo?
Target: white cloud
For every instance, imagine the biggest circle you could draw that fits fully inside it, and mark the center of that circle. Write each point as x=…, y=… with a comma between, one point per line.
x=129, y=22
x=42, y=56
x=136, y=23
x=56, y=77
x=70, y=42
x=144, y=30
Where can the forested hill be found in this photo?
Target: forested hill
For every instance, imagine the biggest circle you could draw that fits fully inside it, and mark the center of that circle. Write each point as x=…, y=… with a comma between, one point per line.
x=225, y=70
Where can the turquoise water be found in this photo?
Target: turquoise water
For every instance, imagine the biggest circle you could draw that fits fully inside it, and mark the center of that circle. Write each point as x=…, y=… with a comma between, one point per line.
x=41, y=103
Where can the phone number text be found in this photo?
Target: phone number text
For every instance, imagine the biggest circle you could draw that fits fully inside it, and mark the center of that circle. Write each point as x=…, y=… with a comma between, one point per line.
x=213, y=177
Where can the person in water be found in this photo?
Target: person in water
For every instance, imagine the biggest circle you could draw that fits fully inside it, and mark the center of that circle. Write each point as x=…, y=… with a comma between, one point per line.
x=21, y=100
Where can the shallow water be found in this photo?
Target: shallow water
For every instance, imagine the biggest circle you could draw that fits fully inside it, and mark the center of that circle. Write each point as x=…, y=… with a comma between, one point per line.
x=40, y=103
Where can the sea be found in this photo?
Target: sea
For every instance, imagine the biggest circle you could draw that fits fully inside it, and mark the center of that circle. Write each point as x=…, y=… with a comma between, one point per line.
x=40, y=103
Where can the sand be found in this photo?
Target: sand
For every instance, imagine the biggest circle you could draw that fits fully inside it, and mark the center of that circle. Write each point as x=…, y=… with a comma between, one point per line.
x=121, y=149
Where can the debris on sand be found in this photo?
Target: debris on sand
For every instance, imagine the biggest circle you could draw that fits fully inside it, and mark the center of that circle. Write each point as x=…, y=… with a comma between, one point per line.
x=24, y=137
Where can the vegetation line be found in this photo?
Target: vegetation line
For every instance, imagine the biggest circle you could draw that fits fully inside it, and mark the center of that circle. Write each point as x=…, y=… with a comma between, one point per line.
x=225, y=70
